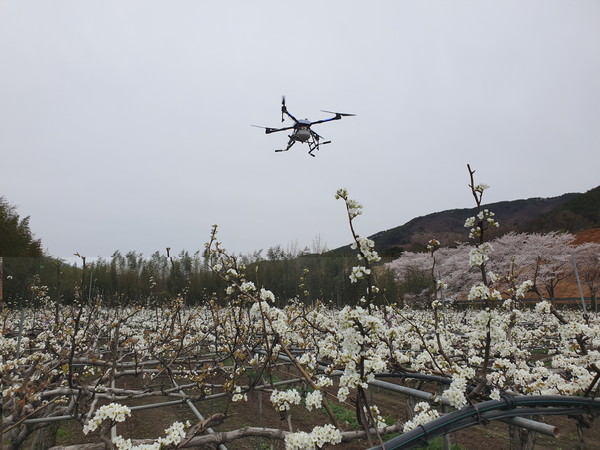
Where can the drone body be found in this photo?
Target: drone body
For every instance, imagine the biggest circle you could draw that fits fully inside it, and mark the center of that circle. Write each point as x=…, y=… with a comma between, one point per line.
x=302, y=131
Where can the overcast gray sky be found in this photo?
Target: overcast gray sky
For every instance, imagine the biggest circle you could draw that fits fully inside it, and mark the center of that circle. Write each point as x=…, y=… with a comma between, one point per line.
x=125, y=125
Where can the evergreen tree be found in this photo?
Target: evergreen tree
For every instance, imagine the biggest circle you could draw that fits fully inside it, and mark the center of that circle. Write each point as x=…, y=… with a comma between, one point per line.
x=16, y=239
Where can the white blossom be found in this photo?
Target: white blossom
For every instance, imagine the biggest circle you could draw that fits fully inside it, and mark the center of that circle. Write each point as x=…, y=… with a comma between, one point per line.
x=423, y=414
x=314, y=400
x=284, y=400
x=113, y=412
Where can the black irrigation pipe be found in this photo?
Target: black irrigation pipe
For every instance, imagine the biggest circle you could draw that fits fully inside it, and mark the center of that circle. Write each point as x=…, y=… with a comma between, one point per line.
x=481, y=413
x=522, y=422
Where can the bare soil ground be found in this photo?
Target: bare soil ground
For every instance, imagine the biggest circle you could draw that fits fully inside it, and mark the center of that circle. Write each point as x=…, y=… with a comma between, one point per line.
x=591, y=235
x=151, y=423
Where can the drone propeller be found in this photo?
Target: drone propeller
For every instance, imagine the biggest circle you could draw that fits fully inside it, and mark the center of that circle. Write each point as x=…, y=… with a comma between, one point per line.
x=269, y=130
x=283, y=108
x=338, y=114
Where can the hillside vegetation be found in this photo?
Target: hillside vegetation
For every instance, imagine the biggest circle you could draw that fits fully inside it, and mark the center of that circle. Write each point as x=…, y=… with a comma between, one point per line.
x=578, y=213
x=571, y=212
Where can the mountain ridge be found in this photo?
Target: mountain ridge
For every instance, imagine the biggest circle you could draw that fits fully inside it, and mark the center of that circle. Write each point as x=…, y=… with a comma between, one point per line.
x=570, y=212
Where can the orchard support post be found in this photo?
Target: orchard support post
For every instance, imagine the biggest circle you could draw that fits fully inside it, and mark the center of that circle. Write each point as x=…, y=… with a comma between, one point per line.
x=579, y=285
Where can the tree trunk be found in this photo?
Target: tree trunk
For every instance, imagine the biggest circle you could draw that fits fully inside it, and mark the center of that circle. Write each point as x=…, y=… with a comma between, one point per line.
x=45, y=437
x=521, y=439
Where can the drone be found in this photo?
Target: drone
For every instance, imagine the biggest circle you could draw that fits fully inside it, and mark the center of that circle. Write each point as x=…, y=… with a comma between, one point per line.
x=301, y=129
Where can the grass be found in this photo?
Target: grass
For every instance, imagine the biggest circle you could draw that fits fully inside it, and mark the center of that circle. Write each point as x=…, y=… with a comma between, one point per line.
x=344, y=415
x=61, y=433
x=348, y=416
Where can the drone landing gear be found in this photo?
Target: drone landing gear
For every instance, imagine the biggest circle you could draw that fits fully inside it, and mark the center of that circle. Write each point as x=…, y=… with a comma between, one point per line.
x=315, y=146
x=290, y=143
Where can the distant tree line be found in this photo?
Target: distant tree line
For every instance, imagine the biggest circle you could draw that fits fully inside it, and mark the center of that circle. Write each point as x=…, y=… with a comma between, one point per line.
x=130, y=278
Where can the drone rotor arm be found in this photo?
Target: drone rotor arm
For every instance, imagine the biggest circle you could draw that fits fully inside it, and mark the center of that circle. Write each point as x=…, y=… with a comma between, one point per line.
x=269, y=130
x=337, y=116
x=274, y=130
x=325, y=120
x=285, y=111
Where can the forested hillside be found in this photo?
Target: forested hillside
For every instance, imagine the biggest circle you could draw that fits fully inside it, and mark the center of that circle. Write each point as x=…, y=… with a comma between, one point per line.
x=570, y=212
x=578, y=213
x=133, y=277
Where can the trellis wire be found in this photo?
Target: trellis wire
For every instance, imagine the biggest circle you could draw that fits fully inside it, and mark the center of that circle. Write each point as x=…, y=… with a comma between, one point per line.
x=522, y=422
